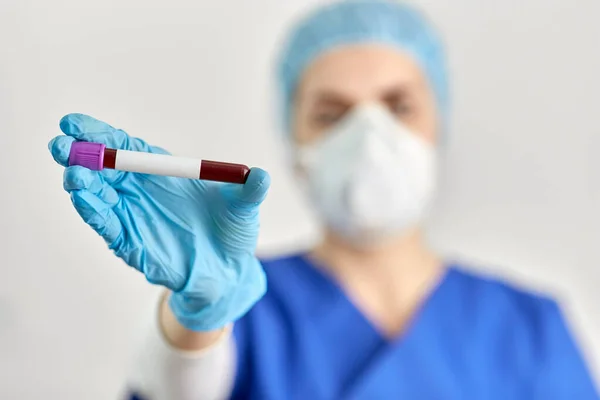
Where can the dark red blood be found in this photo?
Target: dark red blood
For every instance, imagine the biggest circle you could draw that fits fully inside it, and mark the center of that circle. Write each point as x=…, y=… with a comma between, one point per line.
x=223, y=172
x=110, y=158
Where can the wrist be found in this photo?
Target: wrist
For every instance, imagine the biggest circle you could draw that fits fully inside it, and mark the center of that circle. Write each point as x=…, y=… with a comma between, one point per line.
x=208, y=305
x=182, y=338
x=194, y=315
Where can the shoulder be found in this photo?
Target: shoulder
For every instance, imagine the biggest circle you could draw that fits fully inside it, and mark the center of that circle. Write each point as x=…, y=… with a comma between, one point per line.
x=481, y=291
x=514, y=308
x=525, y=329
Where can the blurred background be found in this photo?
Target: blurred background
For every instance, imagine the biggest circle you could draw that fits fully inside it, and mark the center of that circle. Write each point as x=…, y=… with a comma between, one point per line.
x=521, y=173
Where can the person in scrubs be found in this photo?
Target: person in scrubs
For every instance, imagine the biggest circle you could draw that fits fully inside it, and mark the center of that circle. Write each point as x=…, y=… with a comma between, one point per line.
x=371, y=312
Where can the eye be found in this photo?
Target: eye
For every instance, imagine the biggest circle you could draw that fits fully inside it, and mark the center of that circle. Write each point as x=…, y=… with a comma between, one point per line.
x=401, y=108
x=325, y=119
x=400, y=102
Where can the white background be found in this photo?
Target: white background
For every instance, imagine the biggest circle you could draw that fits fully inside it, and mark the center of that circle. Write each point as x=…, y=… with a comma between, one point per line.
x=521, y=188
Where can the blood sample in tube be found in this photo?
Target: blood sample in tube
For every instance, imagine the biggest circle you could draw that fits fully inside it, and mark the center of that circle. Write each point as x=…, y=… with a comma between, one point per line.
x=96, y=156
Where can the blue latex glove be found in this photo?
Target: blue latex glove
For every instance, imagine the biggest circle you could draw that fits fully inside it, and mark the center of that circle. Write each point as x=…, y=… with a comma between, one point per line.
x=194, y=237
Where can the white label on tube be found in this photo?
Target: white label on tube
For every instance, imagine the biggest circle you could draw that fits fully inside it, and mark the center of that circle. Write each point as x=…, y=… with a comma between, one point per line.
x=157, y=164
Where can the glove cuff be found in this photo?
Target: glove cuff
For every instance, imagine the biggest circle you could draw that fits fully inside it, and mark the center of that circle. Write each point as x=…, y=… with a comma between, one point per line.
x=195, y=313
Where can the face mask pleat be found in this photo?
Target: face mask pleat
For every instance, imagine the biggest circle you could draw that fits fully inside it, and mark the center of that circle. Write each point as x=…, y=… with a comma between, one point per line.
x=369, y=177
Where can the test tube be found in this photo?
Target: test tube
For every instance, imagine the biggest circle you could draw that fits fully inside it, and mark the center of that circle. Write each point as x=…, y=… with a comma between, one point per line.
x=96, y=156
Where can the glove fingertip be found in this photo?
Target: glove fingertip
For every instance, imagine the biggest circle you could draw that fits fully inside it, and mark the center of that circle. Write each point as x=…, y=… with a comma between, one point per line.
x=59, y=148
x=259, y=176
x=51, y=143
x=77, y=178
x=256, y=187
x=68, y=124
x=81, y=126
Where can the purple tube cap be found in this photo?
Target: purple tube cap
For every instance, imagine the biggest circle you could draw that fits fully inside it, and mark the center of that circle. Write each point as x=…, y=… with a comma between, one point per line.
x=88, y=155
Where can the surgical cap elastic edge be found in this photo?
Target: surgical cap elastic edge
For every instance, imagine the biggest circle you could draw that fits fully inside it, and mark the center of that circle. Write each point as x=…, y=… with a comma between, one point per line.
x=359, y=22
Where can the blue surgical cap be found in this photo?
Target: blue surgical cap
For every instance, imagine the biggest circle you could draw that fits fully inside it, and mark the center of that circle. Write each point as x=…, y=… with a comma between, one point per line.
x=357, y=22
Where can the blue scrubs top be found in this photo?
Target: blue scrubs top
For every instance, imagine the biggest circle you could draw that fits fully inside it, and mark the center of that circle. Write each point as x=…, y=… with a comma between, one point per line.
x=474, y=338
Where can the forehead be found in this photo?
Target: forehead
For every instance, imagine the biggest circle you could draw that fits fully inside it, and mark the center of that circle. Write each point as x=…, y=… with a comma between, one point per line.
x=360, y=71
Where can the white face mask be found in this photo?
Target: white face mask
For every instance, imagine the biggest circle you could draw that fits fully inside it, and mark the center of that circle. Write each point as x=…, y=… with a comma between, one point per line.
x=369, y=177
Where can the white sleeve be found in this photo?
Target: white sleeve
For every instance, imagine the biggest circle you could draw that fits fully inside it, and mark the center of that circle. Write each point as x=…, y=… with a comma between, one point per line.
x=162, y=372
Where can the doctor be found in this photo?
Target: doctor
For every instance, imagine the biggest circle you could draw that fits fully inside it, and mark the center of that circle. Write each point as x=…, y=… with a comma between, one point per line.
x=371, y=312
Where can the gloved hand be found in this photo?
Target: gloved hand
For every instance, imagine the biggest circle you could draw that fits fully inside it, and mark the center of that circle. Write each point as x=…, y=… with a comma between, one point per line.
x=196, y=238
